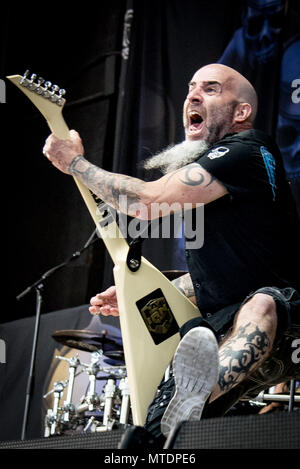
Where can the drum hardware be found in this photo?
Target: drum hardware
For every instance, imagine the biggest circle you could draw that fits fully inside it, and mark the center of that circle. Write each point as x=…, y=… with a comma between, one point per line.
x=109, y=395
x=68, y=408
x=89, y=424
x=60, y=417
x=125, y=406
x=110, y=408
x=92, y=399
x=52, y=415
x=262, y=396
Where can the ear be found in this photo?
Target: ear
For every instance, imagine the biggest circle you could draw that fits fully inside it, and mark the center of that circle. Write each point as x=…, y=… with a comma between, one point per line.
x=242, y=112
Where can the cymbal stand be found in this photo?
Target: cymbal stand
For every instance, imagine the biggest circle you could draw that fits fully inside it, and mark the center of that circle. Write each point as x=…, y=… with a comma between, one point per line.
x=92, y=369
x=110, y=391
x=52, y=415
x=68, y=407
x=125, y=405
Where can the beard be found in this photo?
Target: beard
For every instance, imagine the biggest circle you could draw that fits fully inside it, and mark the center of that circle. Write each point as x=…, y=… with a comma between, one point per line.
x=177, y=156
x=220, y=123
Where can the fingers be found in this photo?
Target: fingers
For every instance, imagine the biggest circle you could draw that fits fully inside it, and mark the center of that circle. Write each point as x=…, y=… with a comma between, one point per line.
x=109, y=293
x=105, y=310
x=52, y=143
x=105, y=303
x=108, y=296
x=74, y=135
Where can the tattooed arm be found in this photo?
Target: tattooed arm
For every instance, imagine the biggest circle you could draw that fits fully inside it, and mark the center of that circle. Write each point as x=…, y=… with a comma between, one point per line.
x=191, y=184
x=185, y=285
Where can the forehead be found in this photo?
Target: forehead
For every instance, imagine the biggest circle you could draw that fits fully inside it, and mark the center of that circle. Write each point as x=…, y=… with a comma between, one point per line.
x=209, y=74
x=215, y=75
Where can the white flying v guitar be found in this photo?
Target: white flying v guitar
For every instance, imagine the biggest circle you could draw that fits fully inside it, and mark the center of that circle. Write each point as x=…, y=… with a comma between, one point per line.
x=151, y=309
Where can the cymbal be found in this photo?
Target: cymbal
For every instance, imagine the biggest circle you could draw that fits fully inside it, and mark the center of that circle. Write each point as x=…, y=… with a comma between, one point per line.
x=173, y=274
x=88, y=341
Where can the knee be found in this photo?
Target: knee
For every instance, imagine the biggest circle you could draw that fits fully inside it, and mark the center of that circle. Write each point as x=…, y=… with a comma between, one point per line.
x=260, y=308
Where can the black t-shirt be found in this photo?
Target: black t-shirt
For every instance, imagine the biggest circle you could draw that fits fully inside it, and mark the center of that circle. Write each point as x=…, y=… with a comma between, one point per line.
x=251, y=235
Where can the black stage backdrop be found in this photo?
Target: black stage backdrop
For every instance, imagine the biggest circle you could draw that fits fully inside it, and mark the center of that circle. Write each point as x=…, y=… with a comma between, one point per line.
x=79, y=49
x=125, y=66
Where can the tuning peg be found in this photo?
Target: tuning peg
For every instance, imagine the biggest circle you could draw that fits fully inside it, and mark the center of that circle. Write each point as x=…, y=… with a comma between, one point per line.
x=46, y=92
x=54, y=89
x=31, y=81
x=24, y=77
x=61, y=100
x=39, y=89
x=53, y=97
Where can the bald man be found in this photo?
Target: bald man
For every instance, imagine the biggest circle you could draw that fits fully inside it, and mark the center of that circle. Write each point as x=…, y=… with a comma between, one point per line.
x=243, y=278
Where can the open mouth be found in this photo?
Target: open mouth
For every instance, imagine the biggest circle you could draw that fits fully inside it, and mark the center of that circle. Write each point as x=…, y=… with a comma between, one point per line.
x=195, y=121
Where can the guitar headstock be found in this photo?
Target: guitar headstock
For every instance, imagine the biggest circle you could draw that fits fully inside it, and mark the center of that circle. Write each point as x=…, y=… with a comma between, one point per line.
x=44, y=95
x=47, y=98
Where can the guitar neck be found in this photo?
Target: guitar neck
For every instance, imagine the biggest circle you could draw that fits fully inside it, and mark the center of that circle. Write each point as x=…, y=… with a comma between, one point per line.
x=109, y=231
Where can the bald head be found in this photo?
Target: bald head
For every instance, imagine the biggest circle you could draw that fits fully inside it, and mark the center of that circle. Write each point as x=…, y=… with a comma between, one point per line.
x=220, y=101
x=236, y=83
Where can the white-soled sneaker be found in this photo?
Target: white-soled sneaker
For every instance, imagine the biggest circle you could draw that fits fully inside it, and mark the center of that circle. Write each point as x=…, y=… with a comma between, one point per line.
x=195, y=370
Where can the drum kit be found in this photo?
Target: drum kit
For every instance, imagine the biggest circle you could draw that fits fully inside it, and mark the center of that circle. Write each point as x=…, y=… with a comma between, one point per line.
x=102, y=409
x=97, y=410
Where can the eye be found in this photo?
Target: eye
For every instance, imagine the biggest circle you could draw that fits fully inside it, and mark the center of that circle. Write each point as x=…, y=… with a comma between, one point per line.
x=212, y=89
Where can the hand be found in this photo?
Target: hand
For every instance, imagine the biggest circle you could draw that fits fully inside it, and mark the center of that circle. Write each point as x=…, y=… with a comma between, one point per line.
x=62, y=152
x=105, y=303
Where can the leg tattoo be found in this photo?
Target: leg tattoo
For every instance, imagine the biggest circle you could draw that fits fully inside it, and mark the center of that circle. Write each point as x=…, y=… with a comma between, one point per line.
x=240, y=354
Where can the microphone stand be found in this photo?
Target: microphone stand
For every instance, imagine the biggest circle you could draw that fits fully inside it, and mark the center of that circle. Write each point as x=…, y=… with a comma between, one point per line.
x=38, y=287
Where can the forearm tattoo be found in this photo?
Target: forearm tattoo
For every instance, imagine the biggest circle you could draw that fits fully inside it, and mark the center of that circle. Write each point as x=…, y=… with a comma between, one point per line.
x=241, y=353
x=107, y=186
x=185, y=285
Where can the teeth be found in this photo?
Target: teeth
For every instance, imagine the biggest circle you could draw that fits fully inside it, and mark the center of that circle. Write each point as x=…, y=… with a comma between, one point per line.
x=195, y=116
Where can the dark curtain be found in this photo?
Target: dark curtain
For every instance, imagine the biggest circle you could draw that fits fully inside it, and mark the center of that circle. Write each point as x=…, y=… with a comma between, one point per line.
x=78, y=48
x=126, y=81
x=123, y=111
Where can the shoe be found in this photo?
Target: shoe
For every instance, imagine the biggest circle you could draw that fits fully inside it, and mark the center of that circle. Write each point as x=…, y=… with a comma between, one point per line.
x=196, y=371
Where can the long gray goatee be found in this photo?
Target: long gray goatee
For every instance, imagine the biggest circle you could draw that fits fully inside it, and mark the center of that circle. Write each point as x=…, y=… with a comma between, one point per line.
x=176, y=156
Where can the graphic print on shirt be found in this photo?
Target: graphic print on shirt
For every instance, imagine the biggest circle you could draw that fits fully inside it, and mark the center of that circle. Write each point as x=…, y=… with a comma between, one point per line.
x=270, y=167
x=217, y=152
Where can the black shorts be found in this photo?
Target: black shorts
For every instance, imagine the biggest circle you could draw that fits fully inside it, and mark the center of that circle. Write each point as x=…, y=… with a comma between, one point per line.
x=287, y=307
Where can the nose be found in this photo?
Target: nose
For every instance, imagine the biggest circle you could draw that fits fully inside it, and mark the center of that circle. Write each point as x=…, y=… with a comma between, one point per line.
x=194, y=95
